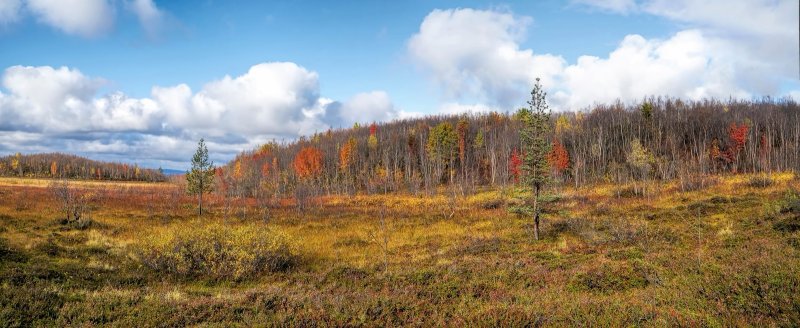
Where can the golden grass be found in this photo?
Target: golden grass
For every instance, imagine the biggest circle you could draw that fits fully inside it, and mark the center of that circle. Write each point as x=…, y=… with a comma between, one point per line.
x=670, y=258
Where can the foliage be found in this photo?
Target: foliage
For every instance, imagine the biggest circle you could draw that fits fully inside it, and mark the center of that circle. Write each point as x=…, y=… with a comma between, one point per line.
x=461, y=130
x=441, y=146
x=534, y=130
x=347, y=154
x=639, y=157
x=647, y=111
x=57, y=165
x=308, y=162
x=738, y=135
x=200, y=178
x=479, y=142
x=216, y=251
x=372, y=141
x=558, y=158
x=515, y=165
x=533, y=134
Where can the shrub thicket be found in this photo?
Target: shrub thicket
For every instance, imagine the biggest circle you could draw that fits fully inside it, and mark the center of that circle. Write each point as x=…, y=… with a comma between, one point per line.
x=217, y=252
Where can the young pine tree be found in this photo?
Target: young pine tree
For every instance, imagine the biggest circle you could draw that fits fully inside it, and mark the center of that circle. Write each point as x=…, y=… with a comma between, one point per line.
x=535, y=147
x=200, y=179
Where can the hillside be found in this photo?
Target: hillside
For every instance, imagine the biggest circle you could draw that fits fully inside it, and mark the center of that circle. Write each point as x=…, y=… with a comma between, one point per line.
x=671, y=138
x=66, y=166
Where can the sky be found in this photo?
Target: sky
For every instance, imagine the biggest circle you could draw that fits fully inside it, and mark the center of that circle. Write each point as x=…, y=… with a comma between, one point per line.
x=143, y=80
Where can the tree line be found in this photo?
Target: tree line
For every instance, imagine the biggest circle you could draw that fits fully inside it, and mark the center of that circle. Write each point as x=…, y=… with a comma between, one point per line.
x=65, y=166
x=655, y=139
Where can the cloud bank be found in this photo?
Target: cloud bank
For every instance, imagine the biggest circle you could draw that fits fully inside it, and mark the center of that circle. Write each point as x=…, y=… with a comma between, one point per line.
x=739, y=49
x=61, y=109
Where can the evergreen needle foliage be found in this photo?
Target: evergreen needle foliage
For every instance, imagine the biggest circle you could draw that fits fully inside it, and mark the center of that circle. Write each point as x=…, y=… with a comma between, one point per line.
x=534, y=130
x=200, y=178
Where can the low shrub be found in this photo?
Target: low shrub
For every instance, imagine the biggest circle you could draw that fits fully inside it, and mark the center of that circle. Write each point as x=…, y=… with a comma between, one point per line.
x=696, y=182
x=477, y=246
x=492, y=204
x=8, y=253
x=760, y=181
x=629, y=192
x=788, y=225
x=217, y=252
x=612, y=278
x=29, y=306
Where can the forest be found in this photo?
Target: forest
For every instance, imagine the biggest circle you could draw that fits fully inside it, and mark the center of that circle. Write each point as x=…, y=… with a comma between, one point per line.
x=66, y=166
x=657, y=139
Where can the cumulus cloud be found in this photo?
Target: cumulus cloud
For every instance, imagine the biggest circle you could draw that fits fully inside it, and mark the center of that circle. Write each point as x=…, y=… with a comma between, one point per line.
x=271, y=98
x=367, y=107
x=150, y=16
x=9, y=11
x=687, y=65
x=63, y=100
x=476, y=54
x=47, y=109
x=87, y=18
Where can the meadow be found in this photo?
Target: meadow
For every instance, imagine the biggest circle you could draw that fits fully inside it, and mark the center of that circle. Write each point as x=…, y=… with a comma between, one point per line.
x=725, y=254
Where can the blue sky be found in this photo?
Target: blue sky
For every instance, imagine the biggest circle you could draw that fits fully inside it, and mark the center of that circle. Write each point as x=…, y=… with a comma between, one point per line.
x=139, y=80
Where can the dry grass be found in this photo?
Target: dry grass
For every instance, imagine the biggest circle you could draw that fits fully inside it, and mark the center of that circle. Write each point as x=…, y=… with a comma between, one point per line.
x=725, y=254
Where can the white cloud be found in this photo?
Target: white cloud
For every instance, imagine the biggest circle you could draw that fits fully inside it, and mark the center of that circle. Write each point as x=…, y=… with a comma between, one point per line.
x=751, y=17
x=368, y=107
x=87, y=18
x=476, y=53
x=271, y=100
x=9, y=11
x=150, y=17
x=686, y=65
x=62, y=99
x=269, y=97
x=279, y=99
x=456, y=108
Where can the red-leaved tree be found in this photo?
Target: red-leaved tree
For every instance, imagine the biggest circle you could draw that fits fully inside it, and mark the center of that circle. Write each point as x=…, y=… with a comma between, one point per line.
x=515, y=164
x=558, y=157
x=308, y=162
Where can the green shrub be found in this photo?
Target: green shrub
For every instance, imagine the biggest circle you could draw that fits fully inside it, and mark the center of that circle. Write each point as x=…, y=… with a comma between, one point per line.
x=8, y=253
x=28, y=306
x=788, y=224
x=217, y=251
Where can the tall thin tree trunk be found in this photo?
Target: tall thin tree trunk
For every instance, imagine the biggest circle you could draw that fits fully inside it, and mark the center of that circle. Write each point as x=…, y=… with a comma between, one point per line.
x=536, y=214
x=200, y=202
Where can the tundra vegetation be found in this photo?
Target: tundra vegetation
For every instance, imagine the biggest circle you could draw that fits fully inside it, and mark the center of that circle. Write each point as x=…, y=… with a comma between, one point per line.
x=662, y=213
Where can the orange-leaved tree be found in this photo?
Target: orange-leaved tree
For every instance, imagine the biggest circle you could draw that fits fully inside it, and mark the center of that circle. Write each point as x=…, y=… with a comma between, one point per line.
x=308, y=162
x=514, y=165
x=558, y=157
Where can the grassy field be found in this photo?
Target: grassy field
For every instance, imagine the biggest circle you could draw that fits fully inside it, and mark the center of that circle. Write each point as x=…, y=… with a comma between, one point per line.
x=724, y=255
